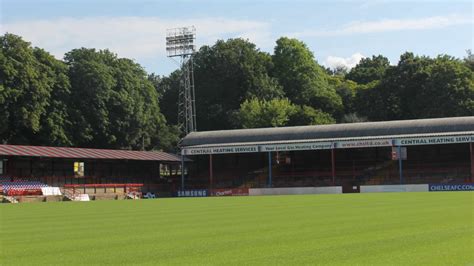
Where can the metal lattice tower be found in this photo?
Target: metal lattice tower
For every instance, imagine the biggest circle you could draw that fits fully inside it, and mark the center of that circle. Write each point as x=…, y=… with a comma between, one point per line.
x=180, y=43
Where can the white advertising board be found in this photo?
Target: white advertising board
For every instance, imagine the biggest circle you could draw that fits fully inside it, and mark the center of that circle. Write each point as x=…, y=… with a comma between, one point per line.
x=50, y=191
x=219, y=150
x=297, y=146
x=363, y=143
x=434, y=140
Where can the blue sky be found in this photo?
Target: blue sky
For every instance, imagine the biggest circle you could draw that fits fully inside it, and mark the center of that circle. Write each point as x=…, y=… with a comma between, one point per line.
x=338, y=32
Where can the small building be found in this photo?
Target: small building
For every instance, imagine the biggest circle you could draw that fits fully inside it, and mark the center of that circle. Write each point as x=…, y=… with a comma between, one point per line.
x=158, y=172
x=349, y=155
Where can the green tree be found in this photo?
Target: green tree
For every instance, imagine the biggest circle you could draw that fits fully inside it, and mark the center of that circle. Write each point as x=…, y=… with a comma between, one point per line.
x=347, y=90
x=307, y=115
x=55, y=120
x=369, y=69
x=304, y=81
x=419, y=87
x=32, y=85
x=449, y=90
x=113, y=103
x=375, y=102
x=337, y=71
x=168, y=89
x=226, y=74
x=469, y=59
x=256, y=113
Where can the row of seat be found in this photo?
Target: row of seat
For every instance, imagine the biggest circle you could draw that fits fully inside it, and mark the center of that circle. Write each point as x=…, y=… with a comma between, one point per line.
x=19, y=186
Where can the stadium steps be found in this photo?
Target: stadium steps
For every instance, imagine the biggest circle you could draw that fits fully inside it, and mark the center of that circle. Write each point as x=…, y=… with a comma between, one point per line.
x=68, y=198
x=10, y=199
x=71, y=195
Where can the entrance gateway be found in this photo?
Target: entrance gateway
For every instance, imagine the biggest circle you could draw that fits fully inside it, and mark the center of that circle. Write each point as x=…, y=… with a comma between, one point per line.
x=439, y=150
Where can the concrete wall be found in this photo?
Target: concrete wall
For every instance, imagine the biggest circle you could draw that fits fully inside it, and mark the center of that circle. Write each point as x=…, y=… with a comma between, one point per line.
x=394, y=188
x=294, y=191
x=53, y=198
x=23, y=199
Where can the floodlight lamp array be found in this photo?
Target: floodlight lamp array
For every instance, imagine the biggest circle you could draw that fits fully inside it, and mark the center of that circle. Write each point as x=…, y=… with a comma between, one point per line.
x=180, y=41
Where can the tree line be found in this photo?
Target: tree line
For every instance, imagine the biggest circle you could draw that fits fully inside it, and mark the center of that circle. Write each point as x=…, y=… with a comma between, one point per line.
x=92, y=98
x=239, y=86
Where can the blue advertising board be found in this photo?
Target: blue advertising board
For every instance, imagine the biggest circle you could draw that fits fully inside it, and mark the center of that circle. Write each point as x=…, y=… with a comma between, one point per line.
x=192, y=193
x=451, y=187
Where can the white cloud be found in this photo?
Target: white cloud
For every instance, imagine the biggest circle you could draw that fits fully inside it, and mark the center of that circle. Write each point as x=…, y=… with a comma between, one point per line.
x=387, y=25
x=133, y=37
x=348, y=62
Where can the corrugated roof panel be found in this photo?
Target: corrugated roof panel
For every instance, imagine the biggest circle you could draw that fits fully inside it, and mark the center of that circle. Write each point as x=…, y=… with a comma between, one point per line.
x=83, y=153
x=467, y=133
x=336, y=131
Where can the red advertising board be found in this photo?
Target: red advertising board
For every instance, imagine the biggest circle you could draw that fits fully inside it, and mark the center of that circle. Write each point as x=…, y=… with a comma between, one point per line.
x=230, y=192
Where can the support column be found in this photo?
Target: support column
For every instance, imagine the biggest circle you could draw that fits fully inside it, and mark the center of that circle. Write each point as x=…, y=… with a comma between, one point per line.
x=269, y=169
x=400, y=168
x=471, y=146
x=182, y=172
x=211, y=175
x=333, y=166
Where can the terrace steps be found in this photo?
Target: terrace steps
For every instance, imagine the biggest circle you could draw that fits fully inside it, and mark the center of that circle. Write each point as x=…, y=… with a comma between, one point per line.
x=10, y=199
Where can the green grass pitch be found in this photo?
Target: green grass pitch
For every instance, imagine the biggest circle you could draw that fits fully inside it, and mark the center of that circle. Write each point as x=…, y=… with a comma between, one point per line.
x=364, y=229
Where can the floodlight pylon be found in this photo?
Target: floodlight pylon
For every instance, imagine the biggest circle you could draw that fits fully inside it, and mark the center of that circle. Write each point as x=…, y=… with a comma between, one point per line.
x=180, y=43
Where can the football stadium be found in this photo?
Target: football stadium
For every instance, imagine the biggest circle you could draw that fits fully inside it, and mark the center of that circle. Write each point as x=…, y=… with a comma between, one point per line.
x=294, y=195
x=236, y=132
x=395, y=156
